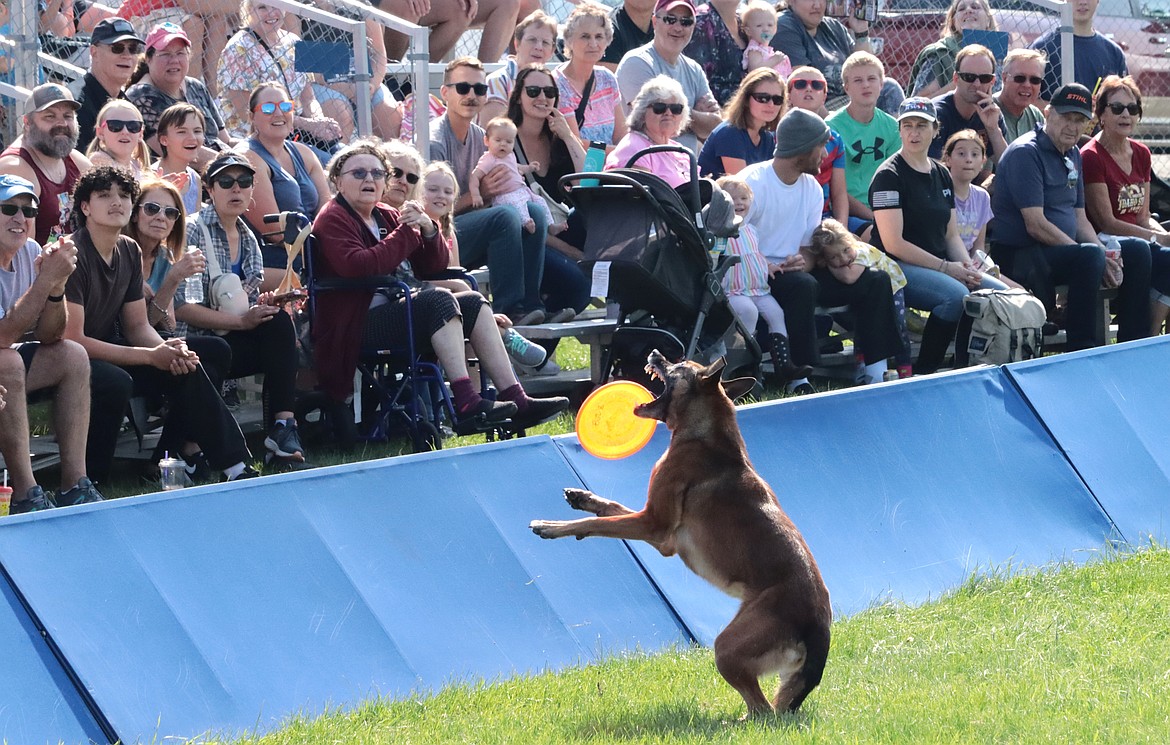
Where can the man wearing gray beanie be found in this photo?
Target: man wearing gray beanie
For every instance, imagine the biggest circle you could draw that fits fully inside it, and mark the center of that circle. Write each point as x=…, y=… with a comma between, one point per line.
x=786, y=209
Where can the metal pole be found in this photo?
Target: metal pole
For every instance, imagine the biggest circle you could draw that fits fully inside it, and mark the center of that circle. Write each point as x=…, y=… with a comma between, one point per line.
x=420, y=57
x=1066, y=43
x=24, y=26
x=362, y=82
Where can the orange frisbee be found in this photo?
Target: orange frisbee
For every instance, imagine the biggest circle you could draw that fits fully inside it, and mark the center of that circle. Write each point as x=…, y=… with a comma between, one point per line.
x=606, y=424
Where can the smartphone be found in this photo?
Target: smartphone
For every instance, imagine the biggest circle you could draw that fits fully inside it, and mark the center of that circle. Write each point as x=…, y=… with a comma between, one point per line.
x=866, y=10
x=287, y=297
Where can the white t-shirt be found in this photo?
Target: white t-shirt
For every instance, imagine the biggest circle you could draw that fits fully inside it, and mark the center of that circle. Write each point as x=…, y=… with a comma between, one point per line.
x=14, y=283
x=784, y=216
x=641, y=64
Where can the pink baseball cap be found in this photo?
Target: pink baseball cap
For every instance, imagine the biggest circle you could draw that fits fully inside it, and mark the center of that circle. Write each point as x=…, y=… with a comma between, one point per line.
x=671, y=4
x=163, y=34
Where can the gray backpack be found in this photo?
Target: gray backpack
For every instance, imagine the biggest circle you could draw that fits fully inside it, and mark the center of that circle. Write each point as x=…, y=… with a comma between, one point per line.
x=1006, y=326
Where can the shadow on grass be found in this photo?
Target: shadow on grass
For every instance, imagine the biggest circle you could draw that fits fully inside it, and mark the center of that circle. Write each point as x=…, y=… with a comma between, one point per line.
x=679, y=719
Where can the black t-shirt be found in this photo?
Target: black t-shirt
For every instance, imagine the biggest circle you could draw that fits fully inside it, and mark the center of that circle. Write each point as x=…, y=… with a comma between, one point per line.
x=102, y=289
x=92, y=97
x=626, y=36
x=926, y=201
x=951, y=121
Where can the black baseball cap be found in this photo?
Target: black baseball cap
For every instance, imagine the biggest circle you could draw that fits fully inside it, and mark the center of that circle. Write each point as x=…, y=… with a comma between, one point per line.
x=112, y=30
x=1073, y=98
x=224, y=162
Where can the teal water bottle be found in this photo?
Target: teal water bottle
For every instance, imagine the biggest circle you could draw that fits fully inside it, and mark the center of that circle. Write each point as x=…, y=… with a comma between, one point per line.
x=594, y=162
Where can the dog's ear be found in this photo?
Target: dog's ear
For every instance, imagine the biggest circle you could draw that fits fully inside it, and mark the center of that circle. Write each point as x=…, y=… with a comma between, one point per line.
x=738, y=387
x=713, y=370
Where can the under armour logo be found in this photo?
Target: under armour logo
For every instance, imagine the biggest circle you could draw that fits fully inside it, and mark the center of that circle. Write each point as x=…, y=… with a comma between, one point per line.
x=876, y=151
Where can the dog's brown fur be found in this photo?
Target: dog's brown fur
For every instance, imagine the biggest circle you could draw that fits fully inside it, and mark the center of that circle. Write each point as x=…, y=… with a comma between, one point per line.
x=707, y=504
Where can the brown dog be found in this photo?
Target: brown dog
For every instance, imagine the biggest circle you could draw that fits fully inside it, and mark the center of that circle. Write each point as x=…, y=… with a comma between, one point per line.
x=707, y=504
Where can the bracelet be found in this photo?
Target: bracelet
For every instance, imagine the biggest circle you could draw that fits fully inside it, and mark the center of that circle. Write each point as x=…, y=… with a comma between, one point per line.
x=942, y=265
x=861, y=34
x=56, y=298
x=165, y=315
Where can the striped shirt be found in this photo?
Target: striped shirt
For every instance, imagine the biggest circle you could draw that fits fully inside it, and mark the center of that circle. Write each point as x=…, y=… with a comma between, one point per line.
x=750, y=275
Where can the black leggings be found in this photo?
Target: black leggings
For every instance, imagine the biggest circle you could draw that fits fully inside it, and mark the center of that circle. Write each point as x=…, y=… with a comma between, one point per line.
x=432, y=308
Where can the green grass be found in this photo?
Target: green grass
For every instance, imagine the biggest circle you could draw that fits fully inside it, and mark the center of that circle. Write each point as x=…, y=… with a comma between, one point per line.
x=1070, y=655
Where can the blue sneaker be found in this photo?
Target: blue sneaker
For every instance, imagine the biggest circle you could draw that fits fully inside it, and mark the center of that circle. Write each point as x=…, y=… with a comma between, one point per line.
x=284, y=442
x=84, y=493
x=521, y=350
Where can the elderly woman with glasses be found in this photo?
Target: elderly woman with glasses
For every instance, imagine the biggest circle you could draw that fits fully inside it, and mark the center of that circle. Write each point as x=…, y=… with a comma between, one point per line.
x=657, y=115
x=748, y=133
x=358, y=236
x=589, y=93
x=289, y=177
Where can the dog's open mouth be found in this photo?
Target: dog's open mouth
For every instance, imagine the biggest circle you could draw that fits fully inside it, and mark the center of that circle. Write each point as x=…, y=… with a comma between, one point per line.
x=656, y=369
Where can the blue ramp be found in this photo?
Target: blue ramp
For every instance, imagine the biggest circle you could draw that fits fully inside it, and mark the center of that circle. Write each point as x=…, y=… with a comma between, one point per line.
x=40, y=703
x=229, y=609
x=901, y=490
x=1108, y=409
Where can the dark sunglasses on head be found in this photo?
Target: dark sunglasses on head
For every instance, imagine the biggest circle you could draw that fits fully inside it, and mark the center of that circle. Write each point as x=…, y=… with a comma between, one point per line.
x=11, y=209
x=532, y=91
x=670, y=20
x=464, y=88
x=153, y=208
x=1021, y=79
x=122, y=47
x=271, y=107
x=361, y=174
x=816, y=85
x=398, y=173
x=1134, y=109
x=130, y=125
x=971, y=77
x=227, y=182
x=768, y=98
x=661, y=108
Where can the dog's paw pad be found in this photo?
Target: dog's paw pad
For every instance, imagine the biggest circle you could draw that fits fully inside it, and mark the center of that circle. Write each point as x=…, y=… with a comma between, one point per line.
x=577, y=498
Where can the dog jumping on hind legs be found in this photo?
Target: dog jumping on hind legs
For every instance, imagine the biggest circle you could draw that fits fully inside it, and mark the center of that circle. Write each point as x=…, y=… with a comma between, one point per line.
x=707, y=504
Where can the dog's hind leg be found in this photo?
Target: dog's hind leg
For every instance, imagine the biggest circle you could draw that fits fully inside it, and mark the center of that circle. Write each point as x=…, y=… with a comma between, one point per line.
x=758, y=642
x=587, y=501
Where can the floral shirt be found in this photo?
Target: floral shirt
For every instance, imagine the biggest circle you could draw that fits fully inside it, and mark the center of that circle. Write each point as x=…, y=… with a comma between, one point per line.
x=714, y=47
x=603, y=99
x=152, y=102
x=246, y=62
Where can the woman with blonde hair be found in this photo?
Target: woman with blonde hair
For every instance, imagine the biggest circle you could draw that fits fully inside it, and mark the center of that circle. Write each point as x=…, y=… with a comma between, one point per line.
x=933, y=73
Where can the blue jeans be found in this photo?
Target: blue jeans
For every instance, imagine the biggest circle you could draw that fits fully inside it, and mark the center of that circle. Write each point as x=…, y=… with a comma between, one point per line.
x=942, y=295
x=565, y=285
x=492, y=236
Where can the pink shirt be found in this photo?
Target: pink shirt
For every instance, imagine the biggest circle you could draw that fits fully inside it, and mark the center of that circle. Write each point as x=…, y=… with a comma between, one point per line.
x=673, y=168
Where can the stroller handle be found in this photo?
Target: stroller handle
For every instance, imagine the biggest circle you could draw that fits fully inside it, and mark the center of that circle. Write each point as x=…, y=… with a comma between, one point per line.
x=693, y=195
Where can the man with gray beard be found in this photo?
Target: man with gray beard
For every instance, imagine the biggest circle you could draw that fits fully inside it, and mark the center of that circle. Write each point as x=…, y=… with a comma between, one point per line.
x=45, y=154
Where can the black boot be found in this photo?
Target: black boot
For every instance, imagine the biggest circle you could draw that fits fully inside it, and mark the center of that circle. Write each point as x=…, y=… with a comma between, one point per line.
x=936, y=337
x=782, y=361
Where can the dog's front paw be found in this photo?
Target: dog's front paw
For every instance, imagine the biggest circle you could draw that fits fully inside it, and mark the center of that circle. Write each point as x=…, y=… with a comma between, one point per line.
x=580, y=499
x=544, y=528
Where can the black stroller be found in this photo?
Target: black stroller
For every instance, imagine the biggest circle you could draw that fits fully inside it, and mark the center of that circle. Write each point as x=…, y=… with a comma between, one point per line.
x=652, y=244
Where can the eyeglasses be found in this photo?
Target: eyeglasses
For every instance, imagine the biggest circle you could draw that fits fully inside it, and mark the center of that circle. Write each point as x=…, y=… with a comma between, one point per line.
x=971, y=77
x=1073, y=174
x=661, y=108
x=1134, y=109
x=464, y=88
x=670, y=20
x=227, y=182
x=395, y=173
x=767, y=98
x=271, y=107
x=11, y=209
x=377, y=174
x=126, y=47
x=799, y=85
x=1021, y=79
x=549, y=91
x=117, y=125
x=170, y=213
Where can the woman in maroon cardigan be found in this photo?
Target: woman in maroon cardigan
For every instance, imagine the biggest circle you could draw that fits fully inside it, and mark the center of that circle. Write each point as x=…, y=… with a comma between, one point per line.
x=356, y=236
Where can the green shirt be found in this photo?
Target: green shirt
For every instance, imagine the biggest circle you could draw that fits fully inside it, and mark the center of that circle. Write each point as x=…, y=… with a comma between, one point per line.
x=867, y=146
x=1022, y=124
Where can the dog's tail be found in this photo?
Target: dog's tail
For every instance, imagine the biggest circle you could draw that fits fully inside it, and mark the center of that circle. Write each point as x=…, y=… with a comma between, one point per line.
x=792, y=692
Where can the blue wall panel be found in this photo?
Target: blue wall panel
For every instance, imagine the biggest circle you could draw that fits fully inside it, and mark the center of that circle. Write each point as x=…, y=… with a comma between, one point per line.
x=901, y=490
x=228, y=609
x=38, y=703
x=1108, y=408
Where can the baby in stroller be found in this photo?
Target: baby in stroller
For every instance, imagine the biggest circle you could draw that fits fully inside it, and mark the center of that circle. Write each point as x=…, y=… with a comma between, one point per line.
x=500, y=139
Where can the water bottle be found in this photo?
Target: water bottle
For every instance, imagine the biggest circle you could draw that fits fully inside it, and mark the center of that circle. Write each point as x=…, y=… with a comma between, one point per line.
x=193, y=285
x=594, y=162
x=1114, y=271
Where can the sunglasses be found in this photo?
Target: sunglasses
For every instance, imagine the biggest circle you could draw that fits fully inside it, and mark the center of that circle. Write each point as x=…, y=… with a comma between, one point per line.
x=661, y=108
x=670, y=20
x=11, y=209
x=227, y=182
x=971, y=77
x=1021, y=79
x=117, y=125
x=271, y=107
x=170, y=213
x=464, y=88
x=122, y=47
x=766, y=98
x=395, y=173
x=377, y=174
x=816, y=85
x=549, y=91
x=1134, y=109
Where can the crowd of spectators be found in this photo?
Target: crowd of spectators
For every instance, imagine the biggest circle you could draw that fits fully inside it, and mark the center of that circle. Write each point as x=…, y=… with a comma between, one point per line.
x=988, y=176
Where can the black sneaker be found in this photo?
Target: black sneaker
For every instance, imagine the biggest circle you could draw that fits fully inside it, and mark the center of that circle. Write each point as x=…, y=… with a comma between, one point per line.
x=35, y=500
x=804, y=389
x=199, y=471
x=247, y=473
x=284, y=442
x=484, y=414
x=540, y=410
x=230, y=393
x=84, y=493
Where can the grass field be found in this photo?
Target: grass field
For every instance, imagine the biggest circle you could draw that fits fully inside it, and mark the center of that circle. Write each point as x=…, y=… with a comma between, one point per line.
x=1069, y=655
